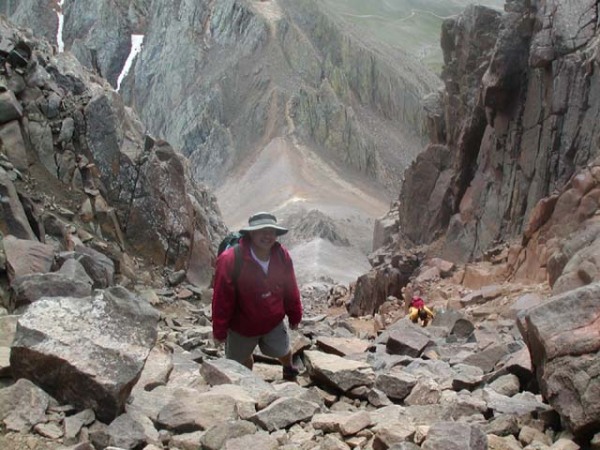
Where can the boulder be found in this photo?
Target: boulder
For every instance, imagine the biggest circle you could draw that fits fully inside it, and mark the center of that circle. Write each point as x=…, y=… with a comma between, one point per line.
x=23, y=405
x=562, y=336
x=86, y=351
x=343, y=374
x=24, y=257
x=455, y=436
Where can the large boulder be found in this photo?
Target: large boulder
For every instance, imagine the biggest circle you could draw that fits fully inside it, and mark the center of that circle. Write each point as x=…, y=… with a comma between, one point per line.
x=562, y=335
x=88, y=352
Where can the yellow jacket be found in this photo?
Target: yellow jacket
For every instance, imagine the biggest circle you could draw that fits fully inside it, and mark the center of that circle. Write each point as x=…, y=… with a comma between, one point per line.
x=413, y=313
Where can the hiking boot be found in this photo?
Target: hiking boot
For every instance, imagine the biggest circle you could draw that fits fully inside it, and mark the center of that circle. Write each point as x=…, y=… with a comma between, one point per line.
x=290, y=373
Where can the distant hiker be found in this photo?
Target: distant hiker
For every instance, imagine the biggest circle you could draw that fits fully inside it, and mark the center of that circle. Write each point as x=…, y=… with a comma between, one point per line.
x=254, y=289
x=418, y=311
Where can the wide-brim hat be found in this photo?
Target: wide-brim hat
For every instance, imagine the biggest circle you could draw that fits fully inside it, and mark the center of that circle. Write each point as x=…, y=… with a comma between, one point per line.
x=262, y=220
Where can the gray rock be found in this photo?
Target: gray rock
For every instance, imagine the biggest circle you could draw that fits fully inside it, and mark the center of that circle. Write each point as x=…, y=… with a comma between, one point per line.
x=564, y=352
x=503, y=442
x=98, y=266
x=73, y=424
x=13, y=220
x=25, y=257
x=520, y=404
x=96, y=348
x=30, y=288
x=40, y=136
x=216, y=436
x=502, y=425
x=10, y=108
x=23, y=405
x=14, y=145
x=196, y=411
x=184, y=441
x=126, y=433
x=461, y=406
x=150, y=403
x=506, y=385
x=407, y=340
x=341, y=373
x=487, y=359
x=283, y=413
x=455, y=436
x=8, y=329
x=395, y=384
x=257, y=440
x=425, y=392
x=467, y=377
x=157, y=368
x=346, y=423
x=377, y=398
x=227, y=371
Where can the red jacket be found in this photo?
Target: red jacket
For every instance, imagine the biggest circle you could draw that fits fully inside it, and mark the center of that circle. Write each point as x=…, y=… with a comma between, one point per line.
x=262, y=301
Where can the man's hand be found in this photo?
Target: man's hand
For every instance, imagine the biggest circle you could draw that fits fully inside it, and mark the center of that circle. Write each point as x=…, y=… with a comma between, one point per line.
x=294, y=326
x=218, y=342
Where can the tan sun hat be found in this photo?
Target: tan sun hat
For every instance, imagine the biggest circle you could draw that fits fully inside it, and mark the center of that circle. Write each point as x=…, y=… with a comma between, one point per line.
x=262, y=220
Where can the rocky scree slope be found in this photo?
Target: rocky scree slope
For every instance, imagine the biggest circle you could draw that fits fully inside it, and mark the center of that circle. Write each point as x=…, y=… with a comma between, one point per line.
x=510, y=181
x=466, y=381
x=511, y=173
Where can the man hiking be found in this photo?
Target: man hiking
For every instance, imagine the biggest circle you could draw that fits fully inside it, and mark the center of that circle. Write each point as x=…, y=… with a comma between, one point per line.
x=254, y=289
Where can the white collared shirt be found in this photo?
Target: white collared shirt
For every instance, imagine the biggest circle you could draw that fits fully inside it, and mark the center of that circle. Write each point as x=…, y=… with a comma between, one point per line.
x=263, y=264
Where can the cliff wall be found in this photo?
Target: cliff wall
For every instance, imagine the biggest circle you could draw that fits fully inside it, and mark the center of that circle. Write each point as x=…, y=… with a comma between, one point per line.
x=520, y=116
x=511, y=172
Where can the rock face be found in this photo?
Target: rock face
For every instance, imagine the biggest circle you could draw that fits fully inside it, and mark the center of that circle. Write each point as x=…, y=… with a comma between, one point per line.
x=99, y=35
x=71, y=131
x=96, y=359
x=39, y=16
x=517, y=105
x=288, y=71
x=513, y=157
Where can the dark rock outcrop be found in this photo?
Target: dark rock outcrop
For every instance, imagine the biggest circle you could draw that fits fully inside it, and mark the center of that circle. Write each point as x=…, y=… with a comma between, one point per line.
x=516, y=125
x=514, y=162
x=70, y=132
x=39, y=16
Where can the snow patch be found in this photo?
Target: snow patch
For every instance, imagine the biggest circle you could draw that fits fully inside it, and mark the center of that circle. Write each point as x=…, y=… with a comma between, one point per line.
x=136, y=45
x=61, y=21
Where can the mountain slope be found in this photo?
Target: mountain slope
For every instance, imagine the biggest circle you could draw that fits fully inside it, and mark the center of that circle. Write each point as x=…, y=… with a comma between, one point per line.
x=239, y=85
x=229, y=82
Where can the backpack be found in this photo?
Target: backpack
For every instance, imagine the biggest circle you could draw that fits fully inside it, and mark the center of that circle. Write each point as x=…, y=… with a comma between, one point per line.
x=229, y=241
x=232, y=240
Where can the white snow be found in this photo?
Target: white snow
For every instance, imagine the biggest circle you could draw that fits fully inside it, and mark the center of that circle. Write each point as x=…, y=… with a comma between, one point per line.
x=61, y=19
x=136, y=45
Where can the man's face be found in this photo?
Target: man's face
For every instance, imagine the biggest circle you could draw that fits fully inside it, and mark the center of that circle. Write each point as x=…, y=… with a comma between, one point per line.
x=264, y=238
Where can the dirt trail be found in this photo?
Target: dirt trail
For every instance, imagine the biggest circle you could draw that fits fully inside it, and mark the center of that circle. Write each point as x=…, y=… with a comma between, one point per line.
x=285, y=178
